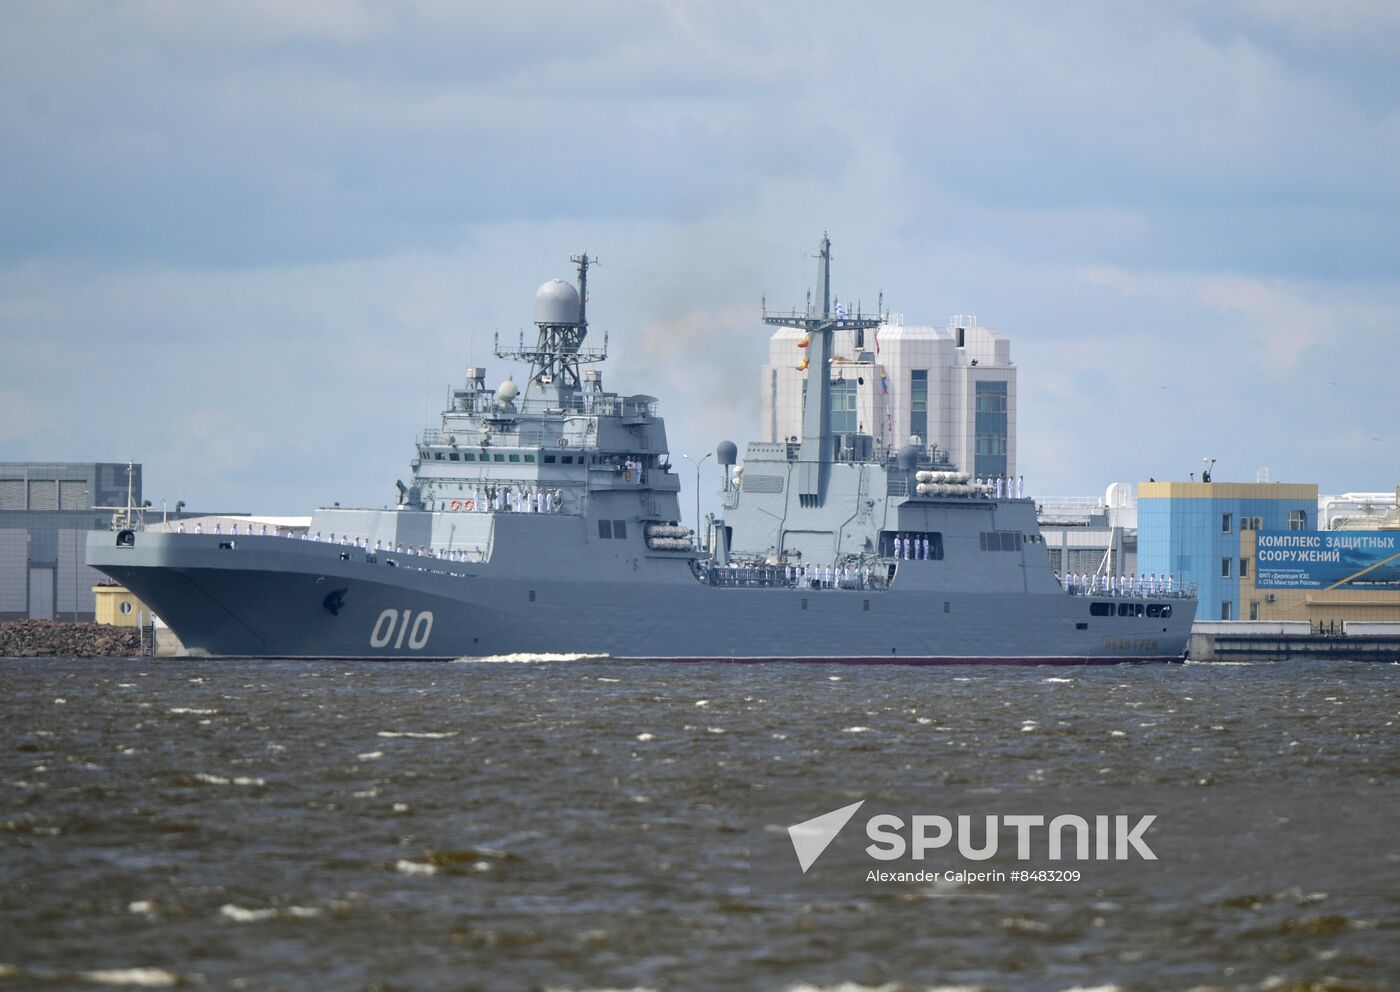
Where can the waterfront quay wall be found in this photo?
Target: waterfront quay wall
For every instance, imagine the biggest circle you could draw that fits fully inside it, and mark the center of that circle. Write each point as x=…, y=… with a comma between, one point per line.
x=1289, y=641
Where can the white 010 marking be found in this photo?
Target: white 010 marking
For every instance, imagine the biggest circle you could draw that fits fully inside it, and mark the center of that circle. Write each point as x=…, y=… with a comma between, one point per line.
x=393, y=622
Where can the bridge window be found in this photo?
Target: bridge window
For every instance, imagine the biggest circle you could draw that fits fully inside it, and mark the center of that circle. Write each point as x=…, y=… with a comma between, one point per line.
x=515, y=458
x=605, y=529
x=1100, y=609
x=619, y=529
x=1162, y=610
x=469, y=456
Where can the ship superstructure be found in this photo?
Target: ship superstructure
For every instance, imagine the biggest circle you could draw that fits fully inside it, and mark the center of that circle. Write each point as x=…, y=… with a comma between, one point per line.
x=545, y=519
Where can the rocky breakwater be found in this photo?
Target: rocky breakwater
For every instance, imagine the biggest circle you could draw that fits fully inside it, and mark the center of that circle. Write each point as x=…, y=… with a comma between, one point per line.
x=42, y=638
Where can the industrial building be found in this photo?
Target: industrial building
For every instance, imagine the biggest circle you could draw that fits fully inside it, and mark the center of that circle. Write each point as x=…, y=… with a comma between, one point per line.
x=1088, y=535
x=1191, y=531
x=46, y=511
x=952, y=388
x=1334, y=578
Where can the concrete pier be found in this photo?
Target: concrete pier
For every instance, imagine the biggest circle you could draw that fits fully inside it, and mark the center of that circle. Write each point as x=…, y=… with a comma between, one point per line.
x=1287, y=641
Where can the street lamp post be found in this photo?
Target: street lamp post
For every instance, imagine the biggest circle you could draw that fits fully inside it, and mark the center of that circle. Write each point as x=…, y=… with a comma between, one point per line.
x=697, y=493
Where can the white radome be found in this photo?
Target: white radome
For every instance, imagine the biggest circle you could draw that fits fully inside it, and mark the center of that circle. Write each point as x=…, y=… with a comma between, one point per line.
x=556, y=302
x=507, y=392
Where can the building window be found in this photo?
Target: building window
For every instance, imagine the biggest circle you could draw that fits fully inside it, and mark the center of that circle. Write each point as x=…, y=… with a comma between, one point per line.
x=1225, y=523
x=991, y=429
x=843, y=406
x=1254, y=609
x=1244, y=568
x=1225, y=609
x=1224, y=568
x=1297, y=519
x=918, y=403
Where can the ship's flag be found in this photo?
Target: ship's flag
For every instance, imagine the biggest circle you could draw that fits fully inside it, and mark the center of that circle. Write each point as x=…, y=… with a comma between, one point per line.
x=806, y=340
x=884, y=383
x=877, y=340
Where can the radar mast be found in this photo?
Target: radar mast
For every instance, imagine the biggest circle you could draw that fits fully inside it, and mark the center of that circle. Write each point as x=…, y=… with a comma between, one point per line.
x=561, y=315
x=818, y=445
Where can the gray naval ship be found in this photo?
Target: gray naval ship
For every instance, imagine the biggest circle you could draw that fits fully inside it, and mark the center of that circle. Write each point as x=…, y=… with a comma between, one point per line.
x=546, y=521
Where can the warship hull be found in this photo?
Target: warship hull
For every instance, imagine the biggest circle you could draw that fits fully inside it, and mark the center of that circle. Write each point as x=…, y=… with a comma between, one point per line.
x=274, y=597
x=546, y=521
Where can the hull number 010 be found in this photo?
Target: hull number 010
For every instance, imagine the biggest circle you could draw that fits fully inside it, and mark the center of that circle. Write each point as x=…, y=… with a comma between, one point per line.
x=401, y=625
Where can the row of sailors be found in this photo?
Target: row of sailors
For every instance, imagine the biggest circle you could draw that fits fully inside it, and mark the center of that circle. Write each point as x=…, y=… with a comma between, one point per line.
x=1151, y=584
x=795, y=576
x=505, y=499
x=915, y=549
x=1003, y=486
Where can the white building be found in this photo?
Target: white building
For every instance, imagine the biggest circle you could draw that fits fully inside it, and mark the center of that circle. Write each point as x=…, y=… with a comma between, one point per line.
x=952, y=387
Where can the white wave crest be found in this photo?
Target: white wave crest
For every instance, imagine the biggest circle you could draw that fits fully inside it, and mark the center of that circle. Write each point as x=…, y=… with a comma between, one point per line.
x=527, y=657
x=425, y=735
x=240, y=915
x=415, y=868
x=150, y=978
x=208, y=779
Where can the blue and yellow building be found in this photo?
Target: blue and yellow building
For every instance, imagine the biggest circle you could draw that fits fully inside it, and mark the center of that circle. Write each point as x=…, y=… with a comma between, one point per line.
x=1191, y=531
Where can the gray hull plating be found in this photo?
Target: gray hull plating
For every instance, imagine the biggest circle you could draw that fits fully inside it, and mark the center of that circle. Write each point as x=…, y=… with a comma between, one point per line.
x=546, y=521
x=271, y=596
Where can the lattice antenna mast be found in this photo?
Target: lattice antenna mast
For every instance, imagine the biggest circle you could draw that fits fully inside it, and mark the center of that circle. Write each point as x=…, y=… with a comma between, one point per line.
x=558, y=352
x=818, y=447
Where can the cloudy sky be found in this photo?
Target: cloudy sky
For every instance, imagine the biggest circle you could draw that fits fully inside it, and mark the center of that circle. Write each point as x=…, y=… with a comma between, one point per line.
x=250, y=243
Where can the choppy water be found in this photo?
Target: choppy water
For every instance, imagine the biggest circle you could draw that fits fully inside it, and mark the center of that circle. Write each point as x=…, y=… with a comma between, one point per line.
x=585, y=824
